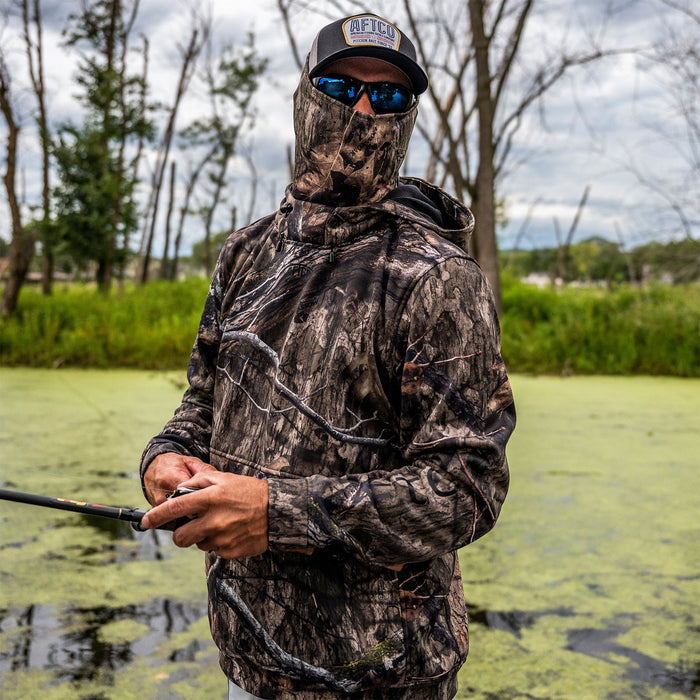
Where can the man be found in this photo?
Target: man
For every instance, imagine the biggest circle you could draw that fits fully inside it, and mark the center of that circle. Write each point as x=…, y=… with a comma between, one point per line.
x=348, y=408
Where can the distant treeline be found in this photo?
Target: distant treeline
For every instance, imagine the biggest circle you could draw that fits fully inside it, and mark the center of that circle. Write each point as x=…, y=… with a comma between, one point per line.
x=600, y=260
x=622, y=330
x=595, y=260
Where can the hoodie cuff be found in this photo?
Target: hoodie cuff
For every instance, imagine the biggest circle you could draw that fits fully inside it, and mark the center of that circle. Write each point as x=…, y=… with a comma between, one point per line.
x=287, y=511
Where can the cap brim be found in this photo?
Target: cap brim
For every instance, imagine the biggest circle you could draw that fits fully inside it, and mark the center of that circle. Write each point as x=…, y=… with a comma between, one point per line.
x=417, y=76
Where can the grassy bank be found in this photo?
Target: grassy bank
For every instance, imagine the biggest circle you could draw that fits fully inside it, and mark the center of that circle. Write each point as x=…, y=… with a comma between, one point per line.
x=599, y=331
x=149, y=327
x=581, y=331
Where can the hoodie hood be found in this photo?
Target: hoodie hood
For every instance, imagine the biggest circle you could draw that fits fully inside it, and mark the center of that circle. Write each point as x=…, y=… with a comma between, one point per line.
x=344, y=157
x=413, y=201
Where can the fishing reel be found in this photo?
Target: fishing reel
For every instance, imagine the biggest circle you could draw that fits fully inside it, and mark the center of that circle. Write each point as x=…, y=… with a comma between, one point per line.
x=173, y=524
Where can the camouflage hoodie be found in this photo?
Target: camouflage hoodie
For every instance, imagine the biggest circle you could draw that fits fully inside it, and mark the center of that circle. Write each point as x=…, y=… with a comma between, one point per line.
x=350, y=356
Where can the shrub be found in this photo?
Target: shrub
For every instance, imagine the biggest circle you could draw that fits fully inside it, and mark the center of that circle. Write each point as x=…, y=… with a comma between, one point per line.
x=152, y=326
x=618, y=331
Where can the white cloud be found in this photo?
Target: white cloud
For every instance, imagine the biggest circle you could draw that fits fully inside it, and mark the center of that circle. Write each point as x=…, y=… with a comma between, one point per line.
x=595, y=121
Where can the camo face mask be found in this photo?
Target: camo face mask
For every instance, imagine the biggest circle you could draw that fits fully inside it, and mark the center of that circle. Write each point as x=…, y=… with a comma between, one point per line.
x=344, y=157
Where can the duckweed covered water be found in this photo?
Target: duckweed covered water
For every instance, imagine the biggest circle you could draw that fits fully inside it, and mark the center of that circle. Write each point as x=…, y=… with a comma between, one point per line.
x=589, y=585
x=587, y=588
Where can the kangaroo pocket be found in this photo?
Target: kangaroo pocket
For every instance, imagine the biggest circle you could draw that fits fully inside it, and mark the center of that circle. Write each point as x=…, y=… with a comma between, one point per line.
x=341, y=620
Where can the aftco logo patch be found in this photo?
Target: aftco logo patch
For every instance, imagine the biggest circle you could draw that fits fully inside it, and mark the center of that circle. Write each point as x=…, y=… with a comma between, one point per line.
x=368, y=30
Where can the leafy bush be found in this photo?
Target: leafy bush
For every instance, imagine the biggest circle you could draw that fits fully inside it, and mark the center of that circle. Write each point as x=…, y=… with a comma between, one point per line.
x=618, y=331
x=152, y=326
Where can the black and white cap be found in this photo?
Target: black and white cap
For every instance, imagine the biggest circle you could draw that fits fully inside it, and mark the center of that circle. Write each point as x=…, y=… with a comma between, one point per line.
x=366, y=35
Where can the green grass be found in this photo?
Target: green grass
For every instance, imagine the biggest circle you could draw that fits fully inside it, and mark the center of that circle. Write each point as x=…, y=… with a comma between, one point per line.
x=652, y=331
x=149, y=327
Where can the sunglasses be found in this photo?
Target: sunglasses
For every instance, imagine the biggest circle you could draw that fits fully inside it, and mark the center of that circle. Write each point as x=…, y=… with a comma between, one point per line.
x=385, y=98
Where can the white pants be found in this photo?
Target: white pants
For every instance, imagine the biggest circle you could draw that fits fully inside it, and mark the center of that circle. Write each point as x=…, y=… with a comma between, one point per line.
x=236, y=693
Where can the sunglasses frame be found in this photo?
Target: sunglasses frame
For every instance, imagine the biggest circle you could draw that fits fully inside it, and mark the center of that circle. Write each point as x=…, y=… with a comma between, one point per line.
x=365, y=87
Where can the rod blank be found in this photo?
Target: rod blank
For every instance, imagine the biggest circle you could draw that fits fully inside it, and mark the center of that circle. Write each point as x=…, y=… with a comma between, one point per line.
x=132, y=515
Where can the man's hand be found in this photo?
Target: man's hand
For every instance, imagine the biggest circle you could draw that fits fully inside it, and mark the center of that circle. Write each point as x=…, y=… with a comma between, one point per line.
x=229, y=514
x=167, y=471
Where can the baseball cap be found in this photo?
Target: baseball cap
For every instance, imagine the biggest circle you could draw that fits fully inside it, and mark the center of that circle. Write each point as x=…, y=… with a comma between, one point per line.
x=366, y=35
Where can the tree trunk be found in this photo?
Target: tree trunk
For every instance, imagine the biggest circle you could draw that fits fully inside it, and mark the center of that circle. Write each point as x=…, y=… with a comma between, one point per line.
x=36, y=74
x=106, y=262
x=21, y=253
x=184, y=209
x=21, y=245
x=563, y=247
x=121, y=163
x=483, y=203
x=164, y=273
x=188, y=64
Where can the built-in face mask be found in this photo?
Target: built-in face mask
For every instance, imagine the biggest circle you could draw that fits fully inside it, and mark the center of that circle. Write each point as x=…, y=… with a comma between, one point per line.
x=344, y=157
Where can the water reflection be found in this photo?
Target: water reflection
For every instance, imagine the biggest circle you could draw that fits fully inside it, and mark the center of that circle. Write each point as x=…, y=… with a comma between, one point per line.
x=69, y=644
x=644, y=670
x=153, y=545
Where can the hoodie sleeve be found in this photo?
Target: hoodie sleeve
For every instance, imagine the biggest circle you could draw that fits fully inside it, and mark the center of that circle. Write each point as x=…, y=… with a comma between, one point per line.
x=188, y=432
x=456, y=416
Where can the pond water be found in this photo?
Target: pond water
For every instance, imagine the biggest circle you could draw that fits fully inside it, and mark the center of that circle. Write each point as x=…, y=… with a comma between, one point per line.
x=587, y=588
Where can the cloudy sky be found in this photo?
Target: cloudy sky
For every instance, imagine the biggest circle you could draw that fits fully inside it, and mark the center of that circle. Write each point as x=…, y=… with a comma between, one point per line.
x=611, y=125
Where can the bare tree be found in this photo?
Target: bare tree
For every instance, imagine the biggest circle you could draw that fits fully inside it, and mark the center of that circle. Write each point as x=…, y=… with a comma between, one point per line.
x=200, y=33
x=254, y=180
x=142, y=107
x=21, y=244
x=164, y=272
x=192, y=180
x=285, y=6
x=121, y=165
x=521, y=231
x=483, y=187
x=564, y=245
x=33, y=39
x=675, y=60
x=480, y=90
x=488, y=93
x=231, y=84
x=626, y=254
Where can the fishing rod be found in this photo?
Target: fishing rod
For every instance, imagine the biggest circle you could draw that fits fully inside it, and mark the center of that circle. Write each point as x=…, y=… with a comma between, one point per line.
x=132, y=515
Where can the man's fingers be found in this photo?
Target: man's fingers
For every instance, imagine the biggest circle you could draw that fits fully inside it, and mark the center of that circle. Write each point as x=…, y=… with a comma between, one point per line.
x=209, y=476
x=169, y=470
x=172, y=509
x=189, y=534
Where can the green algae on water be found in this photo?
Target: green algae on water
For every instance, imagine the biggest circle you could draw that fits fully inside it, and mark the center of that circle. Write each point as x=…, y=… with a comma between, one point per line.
x=587, y=587
x=88, y=607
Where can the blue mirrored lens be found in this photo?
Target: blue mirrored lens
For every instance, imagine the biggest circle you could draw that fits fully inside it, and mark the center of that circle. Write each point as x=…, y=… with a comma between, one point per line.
x=340, y=89
x=389, y=97
x=385, y=98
